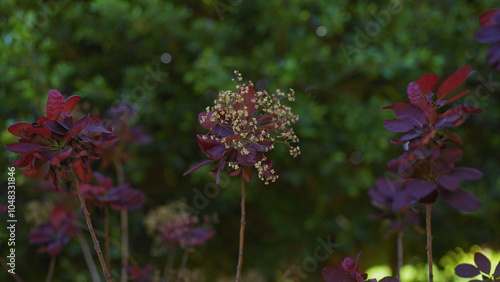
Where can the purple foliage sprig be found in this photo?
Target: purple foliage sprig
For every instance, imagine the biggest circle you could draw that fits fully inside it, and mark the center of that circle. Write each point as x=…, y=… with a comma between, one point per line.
x=483, y=268
x=490, y=34
x=427, y=168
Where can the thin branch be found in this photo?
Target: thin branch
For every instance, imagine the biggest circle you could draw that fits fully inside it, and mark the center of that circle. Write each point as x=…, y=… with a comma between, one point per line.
x=106, y=231
x=86, y=213
x=428, y=210
x=124, y=224
x=14, y=275
x=182, y=267
x=52, y=265
x=168, y=266
x=400, y=253
x=113, y=241
x=87, y=255
x=242, y=231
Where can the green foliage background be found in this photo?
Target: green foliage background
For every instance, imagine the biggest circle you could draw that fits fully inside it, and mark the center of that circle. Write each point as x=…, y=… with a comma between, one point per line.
x=103, y=50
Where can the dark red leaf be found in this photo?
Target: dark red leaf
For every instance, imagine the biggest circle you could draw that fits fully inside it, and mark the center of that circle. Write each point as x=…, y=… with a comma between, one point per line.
x=55, y=105
x=428, y=82
x=455, y=116
x=461, y=200
x=249, y=95
x=488, y=18
x=104, y=140
x=70, y=103
x=390, y=107
x=466, y=270
x=452, y=82
x=23, y=147
x=204, y=120
x=336, y=274
x=83, y=170
x=197, y=166
x=61, y=156
x=482, y=263
x=211, y=148
x=410, y=113
x=17, y=128
x=24, y=161
x=78, y=127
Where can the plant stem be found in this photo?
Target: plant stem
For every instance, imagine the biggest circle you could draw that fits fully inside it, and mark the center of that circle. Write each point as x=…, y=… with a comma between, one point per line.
x=168, y=266
x=106, y=231
x=124, y=223
x=51, y=268
x=182, y=267
x=88, y=258
x=86, y=213
x=428, y=210
x=242, y=230
x=14, y=275
x=400, y=253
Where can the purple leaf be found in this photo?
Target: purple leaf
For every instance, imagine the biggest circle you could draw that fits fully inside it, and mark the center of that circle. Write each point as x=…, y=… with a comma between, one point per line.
x=23, y=147
x=467, y=173
x=389, y=279
x=336, y=274
x=488, y=35
x=483, y=263
x=409, y=113
x=461, y=200
x=398, y=126
x=401, y=200
x=466, y=270
x=415, y=95
x=418, y=188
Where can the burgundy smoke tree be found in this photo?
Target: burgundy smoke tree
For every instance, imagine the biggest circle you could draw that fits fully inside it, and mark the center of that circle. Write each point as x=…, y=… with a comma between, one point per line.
x=67, y=145
x=243, y=127
x=427, y=168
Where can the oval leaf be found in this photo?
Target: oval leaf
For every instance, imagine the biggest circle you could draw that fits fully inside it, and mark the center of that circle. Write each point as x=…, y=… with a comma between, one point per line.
x=55, y=105
x=452, y=82
x=336, y=274
x=466, y=270
x=483, y=263
x=428, y=82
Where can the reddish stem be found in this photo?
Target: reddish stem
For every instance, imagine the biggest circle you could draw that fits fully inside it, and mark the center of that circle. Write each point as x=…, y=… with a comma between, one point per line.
x=242, y=231
x=86, y=213
x=428, y=210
